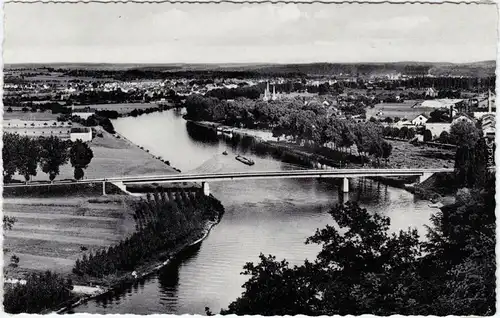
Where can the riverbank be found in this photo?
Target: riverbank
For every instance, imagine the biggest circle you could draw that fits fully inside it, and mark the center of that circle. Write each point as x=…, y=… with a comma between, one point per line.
x=69, y=243
x=142, y=272
x=404, y=154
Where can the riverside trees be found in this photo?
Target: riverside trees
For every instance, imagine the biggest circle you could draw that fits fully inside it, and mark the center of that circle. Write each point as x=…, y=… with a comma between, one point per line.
x=292, y=119
x=164, y=221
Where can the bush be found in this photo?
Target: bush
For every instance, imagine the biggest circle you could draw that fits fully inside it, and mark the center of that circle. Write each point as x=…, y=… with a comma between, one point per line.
x=427, y=135
x=41, y=292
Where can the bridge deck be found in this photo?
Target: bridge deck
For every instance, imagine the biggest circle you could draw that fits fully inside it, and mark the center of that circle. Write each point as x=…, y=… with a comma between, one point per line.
x=224, y=176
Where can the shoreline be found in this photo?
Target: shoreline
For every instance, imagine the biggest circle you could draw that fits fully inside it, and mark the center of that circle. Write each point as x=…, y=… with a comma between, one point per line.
x=143, y=271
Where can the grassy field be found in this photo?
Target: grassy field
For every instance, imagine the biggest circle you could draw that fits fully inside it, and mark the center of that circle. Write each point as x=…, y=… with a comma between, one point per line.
x=30, y=116
x=405, y=155
x=113, y=157
x=401, y=110
x=50, y=232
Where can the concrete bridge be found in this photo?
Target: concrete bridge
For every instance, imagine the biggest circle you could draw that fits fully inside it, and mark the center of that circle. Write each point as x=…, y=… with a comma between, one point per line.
x=204, y=178
x=344, y=174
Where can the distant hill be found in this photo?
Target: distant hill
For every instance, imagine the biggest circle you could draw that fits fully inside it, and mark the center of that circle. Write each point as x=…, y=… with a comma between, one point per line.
x=476, y=69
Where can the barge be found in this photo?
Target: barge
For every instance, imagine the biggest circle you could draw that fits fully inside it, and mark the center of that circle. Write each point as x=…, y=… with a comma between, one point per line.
x=244, y=160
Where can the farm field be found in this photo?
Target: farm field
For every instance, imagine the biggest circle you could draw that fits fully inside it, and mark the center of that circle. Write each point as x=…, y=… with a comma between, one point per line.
x=401, y=110
x=50, y=232
x=29, y=115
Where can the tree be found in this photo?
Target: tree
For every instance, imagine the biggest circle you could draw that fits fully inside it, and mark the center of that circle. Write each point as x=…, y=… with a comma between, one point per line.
x=471, y=154
x=359, y=270
x=28, y=157
x=427, y=135
x=444, y=137
x=465, y=134
x=386, y=150
x=8, y=222
x=10, y=155
x=54, y=153
x=80, y=156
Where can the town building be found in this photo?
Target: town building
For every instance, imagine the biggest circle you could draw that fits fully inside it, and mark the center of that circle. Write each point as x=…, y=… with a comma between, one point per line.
x=437, y=128
x=81, y=133
x=419, y=120
x=38, y=128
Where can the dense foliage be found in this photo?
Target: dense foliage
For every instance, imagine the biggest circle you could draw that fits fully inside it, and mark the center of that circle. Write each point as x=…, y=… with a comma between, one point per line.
x=302, y=123
x=23, y=155
x=403, y=133
x=164, y=221
x=471, y=155
x=99, y=119
x=41, y=292
x=363, y=269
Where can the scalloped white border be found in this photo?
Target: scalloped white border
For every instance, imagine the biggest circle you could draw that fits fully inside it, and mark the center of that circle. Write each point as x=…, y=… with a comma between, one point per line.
x=497, y=152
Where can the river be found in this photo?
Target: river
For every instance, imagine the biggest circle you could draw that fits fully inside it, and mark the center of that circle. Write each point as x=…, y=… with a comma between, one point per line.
x=262, y=216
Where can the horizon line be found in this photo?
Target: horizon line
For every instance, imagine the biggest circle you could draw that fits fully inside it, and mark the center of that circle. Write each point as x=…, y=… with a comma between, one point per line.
x=255, y=63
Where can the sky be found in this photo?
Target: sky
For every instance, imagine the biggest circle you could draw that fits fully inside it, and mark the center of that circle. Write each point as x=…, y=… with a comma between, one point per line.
x=248, y=33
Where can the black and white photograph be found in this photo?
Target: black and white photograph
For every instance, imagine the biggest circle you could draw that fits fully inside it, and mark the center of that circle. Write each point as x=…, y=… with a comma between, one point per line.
x=249, y=158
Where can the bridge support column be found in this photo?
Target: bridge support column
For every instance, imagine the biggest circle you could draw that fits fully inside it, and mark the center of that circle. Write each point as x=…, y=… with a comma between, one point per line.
x=206, y=188
x=345, y=185
x=424, y=176
x=104, y=188
x=344, y=197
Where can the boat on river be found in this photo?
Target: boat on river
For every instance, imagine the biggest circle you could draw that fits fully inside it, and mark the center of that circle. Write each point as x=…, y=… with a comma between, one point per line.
x=246, y=161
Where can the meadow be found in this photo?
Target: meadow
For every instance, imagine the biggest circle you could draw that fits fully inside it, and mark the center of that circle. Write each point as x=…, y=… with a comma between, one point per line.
x=401, y=110
x=49, y=233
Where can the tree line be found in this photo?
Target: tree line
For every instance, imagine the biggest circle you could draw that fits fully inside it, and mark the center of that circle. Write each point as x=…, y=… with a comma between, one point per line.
x=164, y=220
x=23, y=155
x=303, y=123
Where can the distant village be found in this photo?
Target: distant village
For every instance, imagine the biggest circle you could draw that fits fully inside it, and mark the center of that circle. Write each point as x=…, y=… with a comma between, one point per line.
x=394, y=100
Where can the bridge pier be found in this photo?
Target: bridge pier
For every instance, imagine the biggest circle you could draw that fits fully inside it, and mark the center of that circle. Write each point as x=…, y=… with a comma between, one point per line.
x=206, y=188
x=345, y=185
x=104, y=188
x=344, y=197
x=424, y=176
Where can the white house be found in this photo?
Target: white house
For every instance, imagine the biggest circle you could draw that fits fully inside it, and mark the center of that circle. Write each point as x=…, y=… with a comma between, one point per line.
x=437, y=128
x=462, y=117
x=404, y=123
x=82, y=133
x=419, y=120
